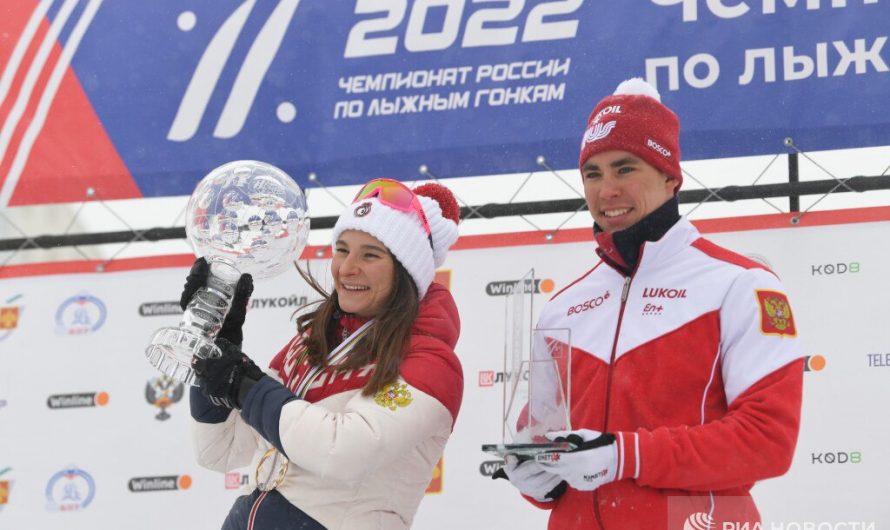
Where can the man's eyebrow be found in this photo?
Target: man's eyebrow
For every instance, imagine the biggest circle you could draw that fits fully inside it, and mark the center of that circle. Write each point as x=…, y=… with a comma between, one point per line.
x=628, y=160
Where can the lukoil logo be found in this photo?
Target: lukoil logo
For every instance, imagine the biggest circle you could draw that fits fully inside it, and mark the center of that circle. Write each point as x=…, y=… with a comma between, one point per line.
x=72, y=401
x=490, y=377
x=814, y=363
x=235, y=480
x=163, y=483
x=69, y=490
x=80, y=314
x=597, y=132
x=293, y=300
x=699, y=521
x=663, y=292
x=503, y=288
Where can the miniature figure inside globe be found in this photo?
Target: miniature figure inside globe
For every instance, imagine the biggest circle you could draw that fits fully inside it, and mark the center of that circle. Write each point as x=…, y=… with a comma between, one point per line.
x=251, y=214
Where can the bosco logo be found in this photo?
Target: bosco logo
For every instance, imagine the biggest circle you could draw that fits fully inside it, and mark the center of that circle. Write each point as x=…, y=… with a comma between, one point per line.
x=587, y=305
x=80, y=315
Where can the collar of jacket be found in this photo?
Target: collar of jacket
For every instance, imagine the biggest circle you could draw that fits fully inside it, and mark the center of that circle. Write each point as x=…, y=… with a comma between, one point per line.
x=621, y=249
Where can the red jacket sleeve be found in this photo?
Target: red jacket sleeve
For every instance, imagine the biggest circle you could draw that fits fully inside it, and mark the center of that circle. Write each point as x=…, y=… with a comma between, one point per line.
x=753, y=441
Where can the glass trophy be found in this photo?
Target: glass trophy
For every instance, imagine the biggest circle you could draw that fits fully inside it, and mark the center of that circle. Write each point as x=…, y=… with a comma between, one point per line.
x=243, y=217
x=537, y=369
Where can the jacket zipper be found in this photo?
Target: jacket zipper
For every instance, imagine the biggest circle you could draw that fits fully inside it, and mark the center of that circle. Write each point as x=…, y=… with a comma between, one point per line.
x=624, y=293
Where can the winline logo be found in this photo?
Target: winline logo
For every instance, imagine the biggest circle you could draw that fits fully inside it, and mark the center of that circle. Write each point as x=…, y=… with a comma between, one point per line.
x=154, y=309
x=165, y=483
x=71, y=401
x=490, y=467
x=814, y=363
x=505, y=287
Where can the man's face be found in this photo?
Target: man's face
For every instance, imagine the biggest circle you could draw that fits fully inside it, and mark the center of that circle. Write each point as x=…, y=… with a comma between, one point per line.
x=621, y=189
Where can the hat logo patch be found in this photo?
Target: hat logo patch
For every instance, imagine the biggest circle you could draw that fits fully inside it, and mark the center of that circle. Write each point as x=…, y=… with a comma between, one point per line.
x=362, y=209
x=597, y=131
x=611, y=109
x=655, y=146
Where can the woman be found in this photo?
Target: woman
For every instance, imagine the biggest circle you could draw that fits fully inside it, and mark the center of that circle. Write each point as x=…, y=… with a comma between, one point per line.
x=345, y=428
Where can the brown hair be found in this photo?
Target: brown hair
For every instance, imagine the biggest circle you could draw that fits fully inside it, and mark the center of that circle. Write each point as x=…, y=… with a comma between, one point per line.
x=384, y=343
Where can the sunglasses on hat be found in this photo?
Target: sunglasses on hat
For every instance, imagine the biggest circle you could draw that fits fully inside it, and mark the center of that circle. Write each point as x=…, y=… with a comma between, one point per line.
x=397, y=196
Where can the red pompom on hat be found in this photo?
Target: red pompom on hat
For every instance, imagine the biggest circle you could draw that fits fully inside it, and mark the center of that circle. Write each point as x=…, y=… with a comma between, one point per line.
x=443, y=214
x=443, y=196
x=633, y=119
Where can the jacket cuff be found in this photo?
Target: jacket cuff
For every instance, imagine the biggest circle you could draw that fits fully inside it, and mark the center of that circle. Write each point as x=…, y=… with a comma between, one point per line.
x=262, y=409
x=628, y=444
x=203, y=410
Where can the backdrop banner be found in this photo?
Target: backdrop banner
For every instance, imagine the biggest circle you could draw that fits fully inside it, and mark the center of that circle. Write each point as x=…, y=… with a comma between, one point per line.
x=92, y=438
x=143, y=98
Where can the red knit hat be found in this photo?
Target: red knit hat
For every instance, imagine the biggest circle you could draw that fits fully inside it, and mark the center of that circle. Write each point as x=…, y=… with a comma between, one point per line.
x=633, y=119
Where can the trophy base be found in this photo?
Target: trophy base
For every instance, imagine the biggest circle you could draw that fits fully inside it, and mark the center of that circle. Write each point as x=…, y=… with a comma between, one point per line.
x=528, y=450
x=171, y=351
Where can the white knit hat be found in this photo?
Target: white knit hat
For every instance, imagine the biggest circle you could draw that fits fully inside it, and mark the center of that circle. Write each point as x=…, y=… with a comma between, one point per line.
x=403, y=232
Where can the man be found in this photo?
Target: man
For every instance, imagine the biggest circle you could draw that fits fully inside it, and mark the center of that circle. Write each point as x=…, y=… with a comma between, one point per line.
x=686, y=380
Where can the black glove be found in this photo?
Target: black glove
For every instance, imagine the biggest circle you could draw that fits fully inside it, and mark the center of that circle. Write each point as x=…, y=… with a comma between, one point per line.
x=231, y=327
x=226, y=380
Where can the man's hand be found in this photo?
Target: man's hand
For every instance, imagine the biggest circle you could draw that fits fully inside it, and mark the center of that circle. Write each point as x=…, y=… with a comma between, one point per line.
x=592, y=463
x=531, y=479
x=226, y=380
x=231, y=327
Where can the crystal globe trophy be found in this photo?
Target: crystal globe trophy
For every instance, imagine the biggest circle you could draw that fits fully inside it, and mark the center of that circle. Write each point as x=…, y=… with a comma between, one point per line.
x=243, y=217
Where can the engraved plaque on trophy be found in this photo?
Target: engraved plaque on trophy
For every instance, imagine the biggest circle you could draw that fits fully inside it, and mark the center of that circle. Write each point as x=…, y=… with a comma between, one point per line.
x=243, y=217
x=537, y=376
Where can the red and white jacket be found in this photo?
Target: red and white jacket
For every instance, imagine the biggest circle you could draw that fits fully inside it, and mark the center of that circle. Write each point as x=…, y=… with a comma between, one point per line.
x=693, y=362
x=356, y=462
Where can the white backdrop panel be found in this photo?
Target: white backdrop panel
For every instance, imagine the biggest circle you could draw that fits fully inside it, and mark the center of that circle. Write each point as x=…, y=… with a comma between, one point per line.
x=52, y=344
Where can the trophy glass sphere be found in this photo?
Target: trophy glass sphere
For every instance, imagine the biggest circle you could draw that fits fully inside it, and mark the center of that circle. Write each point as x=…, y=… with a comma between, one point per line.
x=243, y=217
